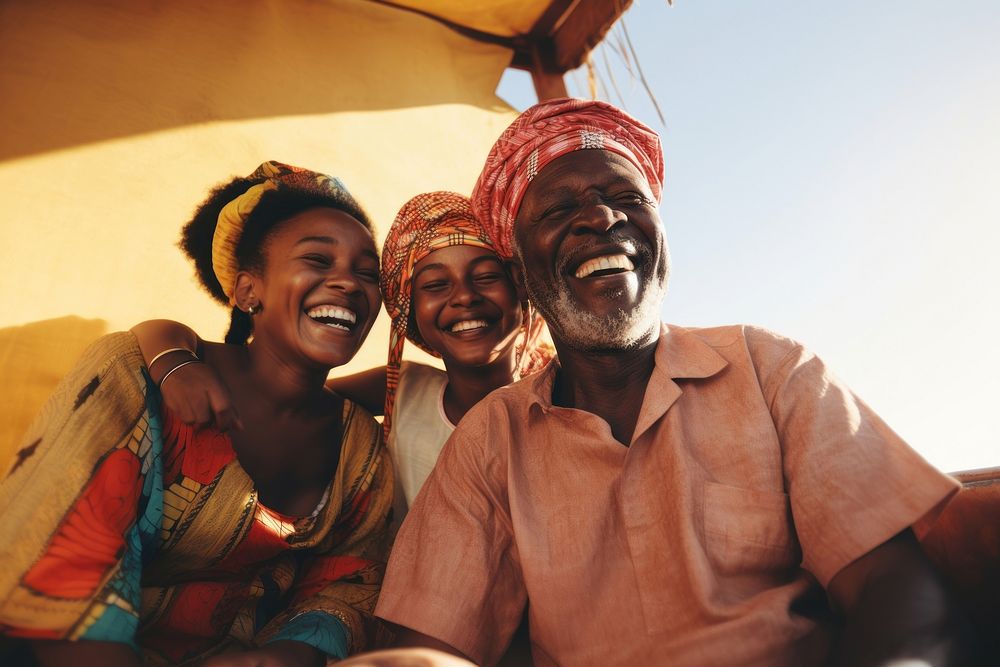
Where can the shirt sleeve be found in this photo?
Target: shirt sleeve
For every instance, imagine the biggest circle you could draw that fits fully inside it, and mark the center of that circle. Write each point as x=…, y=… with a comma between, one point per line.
x=453, y=572
x=333, y=597
x=853, y=483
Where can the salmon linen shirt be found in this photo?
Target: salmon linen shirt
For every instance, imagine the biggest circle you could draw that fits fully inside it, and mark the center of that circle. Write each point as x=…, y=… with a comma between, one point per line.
x=753, y=476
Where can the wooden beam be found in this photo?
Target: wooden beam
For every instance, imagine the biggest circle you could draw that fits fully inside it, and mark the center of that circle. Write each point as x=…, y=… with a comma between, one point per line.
x=566, y=32
x=582, y=30
x=553, y=17
x=549, y=83
x=560, y=39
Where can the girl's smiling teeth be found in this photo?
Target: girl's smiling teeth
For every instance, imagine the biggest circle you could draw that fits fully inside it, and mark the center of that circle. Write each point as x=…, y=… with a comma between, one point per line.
x=468, y=325
x=605, y=264
x=337, y=317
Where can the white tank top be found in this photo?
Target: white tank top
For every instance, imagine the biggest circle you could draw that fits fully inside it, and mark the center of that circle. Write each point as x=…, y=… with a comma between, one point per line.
x=419, y=425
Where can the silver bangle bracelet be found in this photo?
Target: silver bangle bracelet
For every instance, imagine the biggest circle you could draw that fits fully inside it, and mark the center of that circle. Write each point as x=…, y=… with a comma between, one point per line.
x=168, y=351
x=176, y=368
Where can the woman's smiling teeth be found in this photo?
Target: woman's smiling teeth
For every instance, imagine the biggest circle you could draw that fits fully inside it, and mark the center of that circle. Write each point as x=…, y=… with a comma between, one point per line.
x=608, y=263
x=467, y=325
x=333, y=316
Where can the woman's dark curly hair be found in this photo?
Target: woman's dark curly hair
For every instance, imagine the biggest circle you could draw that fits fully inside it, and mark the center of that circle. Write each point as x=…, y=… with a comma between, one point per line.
x=275, y=207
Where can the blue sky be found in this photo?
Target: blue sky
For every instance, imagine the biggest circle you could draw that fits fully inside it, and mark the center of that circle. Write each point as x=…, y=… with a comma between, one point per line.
x=833, y=174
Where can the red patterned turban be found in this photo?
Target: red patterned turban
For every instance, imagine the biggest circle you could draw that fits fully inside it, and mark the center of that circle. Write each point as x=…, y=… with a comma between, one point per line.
x=545, y=132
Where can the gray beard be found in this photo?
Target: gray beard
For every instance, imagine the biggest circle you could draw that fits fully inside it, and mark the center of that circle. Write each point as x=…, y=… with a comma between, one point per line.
x=582, y=330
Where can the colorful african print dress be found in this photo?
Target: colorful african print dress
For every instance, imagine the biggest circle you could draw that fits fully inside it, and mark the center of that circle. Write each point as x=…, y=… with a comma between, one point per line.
x=120, y=523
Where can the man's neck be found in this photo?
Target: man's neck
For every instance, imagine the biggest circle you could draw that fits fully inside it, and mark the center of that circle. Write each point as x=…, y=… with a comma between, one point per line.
x=610, y=385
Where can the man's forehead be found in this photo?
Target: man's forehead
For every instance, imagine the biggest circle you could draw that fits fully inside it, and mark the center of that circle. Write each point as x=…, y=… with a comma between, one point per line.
x=582, y=169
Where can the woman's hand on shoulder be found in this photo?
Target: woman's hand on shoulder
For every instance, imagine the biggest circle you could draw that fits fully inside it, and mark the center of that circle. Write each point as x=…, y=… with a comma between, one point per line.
x=192, y=390
x=198, y=396
x=277, y=654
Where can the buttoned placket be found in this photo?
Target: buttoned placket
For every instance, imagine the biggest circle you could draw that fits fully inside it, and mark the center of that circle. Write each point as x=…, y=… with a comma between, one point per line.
x=634, y=496
x=634, y=492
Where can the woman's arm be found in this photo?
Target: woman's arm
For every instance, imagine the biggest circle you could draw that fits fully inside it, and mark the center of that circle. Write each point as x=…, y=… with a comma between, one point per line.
x=84, y=654
x=155, y=336
x=276, y=654
x=407, y=638
x=193, y=391
x=366, y=388
x=406, y=657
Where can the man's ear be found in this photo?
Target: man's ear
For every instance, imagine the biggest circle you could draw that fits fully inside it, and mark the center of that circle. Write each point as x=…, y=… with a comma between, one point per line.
x=245, y=292
x=516, y=272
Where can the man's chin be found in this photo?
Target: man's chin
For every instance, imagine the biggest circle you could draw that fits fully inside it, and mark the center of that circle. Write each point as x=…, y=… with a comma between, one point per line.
x=599, y=324
x=613, y=331
x=615, y=342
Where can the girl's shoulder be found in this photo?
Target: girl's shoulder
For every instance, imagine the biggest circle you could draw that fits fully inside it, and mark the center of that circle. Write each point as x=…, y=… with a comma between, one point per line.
x=416, y=372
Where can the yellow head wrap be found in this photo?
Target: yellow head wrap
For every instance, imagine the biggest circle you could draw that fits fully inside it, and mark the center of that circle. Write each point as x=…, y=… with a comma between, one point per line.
x=233, y=216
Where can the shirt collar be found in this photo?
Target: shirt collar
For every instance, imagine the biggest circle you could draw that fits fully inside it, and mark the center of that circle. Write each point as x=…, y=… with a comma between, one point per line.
x=679, y=354
x=683, y=354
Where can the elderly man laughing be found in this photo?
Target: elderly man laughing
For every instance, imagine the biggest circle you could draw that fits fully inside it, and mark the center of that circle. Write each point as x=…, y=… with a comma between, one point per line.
x=658, y=494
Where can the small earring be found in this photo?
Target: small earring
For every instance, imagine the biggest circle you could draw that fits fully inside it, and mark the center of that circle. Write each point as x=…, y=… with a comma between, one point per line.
x=252, y=310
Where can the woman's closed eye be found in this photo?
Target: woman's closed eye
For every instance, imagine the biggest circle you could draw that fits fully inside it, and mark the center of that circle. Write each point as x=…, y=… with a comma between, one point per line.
x=368, y=275
x=488, y=277
x=317, y=259
x=433, y=285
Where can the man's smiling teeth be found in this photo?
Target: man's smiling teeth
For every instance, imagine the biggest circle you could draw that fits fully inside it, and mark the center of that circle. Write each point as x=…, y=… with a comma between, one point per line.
x=466, y=325
x=338, y=315
x=604, y=263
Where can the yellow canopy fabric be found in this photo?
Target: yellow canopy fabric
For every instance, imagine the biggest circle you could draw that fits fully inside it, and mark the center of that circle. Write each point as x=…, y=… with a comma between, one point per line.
x=119, y=116
x=499, y=17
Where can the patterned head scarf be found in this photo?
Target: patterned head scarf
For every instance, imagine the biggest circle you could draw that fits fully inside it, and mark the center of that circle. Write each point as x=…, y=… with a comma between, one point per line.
x=426, y=223
x=233, y=216
x=545, y=132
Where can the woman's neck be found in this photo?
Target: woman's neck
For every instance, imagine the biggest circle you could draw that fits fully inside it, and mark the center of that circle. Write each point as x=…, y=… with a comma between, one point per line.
x=286, y=386
x=467, y=385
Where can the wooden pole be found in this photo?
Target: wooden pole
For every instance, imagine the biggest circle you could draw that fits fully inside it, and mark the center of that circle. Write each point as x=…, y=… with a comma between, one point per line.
x=548, y=81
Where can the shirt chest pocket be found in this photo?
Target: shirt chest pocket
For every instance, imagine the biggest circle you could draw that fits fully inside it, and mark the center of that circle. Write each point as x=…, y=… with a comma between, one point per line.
x=748, y=530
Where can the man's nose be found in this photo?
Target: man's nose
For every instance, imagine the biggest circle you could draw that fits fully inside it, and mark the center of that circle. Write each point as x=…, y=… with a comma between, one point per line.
x=597, y=216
